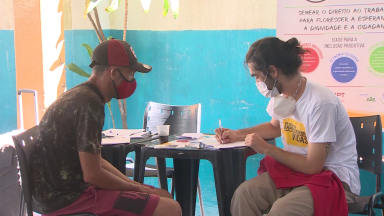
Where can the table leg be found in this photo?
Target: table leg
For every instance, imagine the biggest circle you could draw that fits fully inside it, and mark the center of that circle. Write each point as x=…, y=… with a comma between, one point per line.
x=137, y=163
x=238, y=168
x=234, y=171
x=121, y=161
x=162, y=173
x=186, y=173
x=223, y=201
x=107, y=154
x=143, y=161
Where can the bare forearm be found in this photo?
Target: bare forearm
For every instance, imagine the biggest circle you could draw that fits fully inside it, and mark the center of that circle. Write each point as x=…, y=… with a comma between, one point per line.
x=107, y=166
x=108, y=181
x=265, y=131
x=294, y=161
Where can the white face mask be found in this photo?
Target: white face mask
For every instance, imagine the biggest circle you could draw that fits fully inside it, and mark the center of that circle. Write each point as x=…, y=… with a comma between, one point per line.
x=284, y=107
x=263, y=88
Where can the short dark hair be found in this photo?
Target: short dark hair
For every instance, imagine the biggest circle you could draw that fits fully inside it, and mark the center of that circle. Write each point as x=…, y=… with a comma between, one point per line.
x=284, y=55
x=99, y=69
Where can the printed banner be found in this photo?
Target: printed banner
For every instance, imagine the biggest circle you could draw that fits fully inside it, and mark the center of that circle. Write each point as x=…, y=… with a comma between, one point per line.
x=346, y=43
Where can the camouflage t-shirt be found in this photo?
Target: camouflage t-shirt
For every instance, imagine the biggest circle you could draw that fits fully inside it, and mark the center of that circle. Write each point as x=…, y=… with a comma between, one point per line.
x=71, y=124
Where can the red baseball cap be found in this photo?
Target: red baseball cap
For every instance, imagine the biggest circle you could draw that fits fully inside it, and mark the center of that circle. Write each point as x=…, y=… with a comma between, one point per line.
x=115, y=52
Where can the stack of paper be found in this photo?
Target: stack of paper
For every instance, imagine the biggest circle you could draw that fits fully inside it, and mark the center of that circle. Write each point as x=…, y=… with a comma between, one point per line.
x=121, y=132
x=118, y=136
x=211, y=141
x=115, y=141
x=190, y=136
x=140, y=135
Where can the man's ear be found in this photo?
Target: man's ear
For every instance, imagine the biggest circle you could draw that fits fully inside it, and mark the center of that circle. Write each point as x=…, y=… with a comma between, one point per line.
x=273, y=71
x=112, y=72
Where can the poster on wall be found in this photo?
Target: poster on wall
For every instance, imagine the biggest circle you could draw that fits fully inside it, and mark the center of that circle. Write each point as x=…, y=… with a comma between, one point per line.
x=346, y=43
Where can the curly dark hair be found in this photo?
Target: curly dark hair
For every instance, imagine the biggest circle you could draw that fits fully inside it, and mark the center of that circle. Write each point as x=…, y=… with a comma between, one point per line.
x=284, y=55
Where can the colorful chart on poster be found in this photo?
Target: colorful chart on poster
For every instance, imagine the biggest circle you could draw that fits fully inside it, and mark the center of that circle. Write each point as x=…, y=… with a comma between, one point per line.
x=345, y=40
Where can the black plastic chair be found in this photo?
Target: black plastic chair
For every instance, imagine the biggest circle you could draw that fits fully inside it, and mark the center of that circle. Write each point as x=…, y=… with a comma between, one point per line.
x=182, y=119
x=368, y=133
x=24, y=144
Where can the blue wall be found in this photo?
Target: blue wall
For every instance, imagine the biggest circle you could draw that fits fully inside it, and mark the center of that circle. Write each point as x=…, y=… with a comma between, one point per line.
x=191, y=67
x=8, y=95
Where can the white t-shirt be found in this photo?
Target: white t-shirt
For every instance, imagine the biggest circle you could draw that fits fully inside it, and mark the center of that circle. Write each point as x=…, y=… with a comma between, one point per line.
x=321, y=118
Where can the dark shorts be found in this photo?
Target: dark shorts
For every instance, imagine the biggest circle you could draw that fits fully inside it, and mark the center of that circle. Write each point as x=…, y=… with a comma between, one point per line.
x=104, y=202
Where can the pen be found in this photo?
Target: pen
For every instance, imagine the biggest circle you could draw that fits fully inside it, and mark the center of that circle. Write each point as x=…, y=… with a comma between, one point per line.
x=221, y=131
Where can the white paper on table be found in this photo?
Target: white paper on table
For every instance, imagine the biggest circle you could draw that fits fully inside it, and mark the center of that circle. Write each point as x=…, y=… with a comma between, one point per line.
x=211, y=141
x=169, y=145
x=229, y=145
x=139, y=135
x=121, y=132
x=115, y=140
x=190, y=136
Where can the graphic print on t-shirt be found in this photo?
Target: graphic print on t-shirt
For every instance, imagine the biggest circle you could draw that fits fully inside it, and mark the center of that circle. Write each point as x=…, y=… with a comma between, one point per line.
x=294, y=133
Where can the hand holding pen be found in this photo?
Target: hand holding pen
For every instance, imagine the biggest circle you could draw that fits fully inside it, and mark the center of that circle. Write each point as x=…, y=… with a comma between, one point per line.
x=225, y=135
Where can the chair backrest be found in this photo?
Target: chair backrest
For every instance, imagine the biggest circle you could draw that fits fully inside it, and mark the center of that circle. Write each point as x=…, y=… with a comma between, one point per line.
x=24, y=144
x=368, y=133
x=182, y=119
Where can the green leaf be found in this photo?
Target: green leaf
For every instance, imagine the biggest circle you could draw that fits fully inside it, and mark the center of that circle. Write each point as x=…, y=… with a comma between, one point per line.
x=110, y=37
x=166, y=7
x=89, y=49
x=78, y=70
x=89, y=5
x=113, y=7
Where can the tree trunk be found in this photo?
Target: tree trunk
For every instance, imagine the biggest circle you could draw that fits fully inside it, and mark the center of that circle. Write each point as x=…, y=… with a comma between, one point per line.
x=125, y=21
x=123, y=115
x=94, y=26
x=113, y=119
x=124, y=39
x=98, y=24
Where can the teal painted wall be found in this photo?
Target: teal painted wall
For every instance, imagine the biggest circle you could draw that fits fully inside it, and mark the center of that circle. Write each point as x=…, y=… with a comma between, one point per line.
x=191, y=67
x=8, y=95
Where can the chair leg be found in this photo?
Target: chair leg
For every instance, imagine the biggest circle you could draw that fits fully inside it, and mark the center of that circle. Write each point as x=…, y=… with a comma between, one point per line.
x=23, y=211
x=21, y=201
x=371, y=212
x=161, y=173
x=200, y=197
x=173, y=185
x=29, y=209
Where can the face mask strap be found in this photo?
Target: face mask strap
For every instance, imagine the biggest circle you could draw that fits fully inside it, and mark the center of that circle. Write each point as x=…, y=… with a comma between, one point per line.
x=274, y=84
x=267, y=74
x=298, y=86
x=114, y=86
x=124, y=77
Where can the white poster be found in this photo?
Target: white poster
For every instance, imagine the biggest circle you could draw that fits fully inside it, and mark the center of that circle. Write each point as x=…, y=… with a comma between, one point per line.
x=346, y=43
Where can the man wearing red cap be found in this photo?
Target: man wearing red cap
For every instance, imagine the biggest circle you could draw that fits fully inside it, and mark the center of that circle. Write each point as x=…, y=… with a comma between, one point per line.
x=67, y=171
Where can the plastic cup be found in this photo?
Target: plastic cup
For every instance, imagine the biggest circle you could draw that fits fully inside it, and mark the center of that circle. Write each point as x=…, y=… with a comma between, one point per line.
x=163, y=132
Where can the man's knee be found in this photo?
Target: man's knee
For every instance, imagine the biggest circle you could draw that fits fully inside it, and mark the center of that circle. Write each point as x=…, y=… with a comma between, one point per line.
x=253, y=188
x=297, y=202
x=244, y=190
x=167, y=206
x=163, y=193
x=280, y=207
